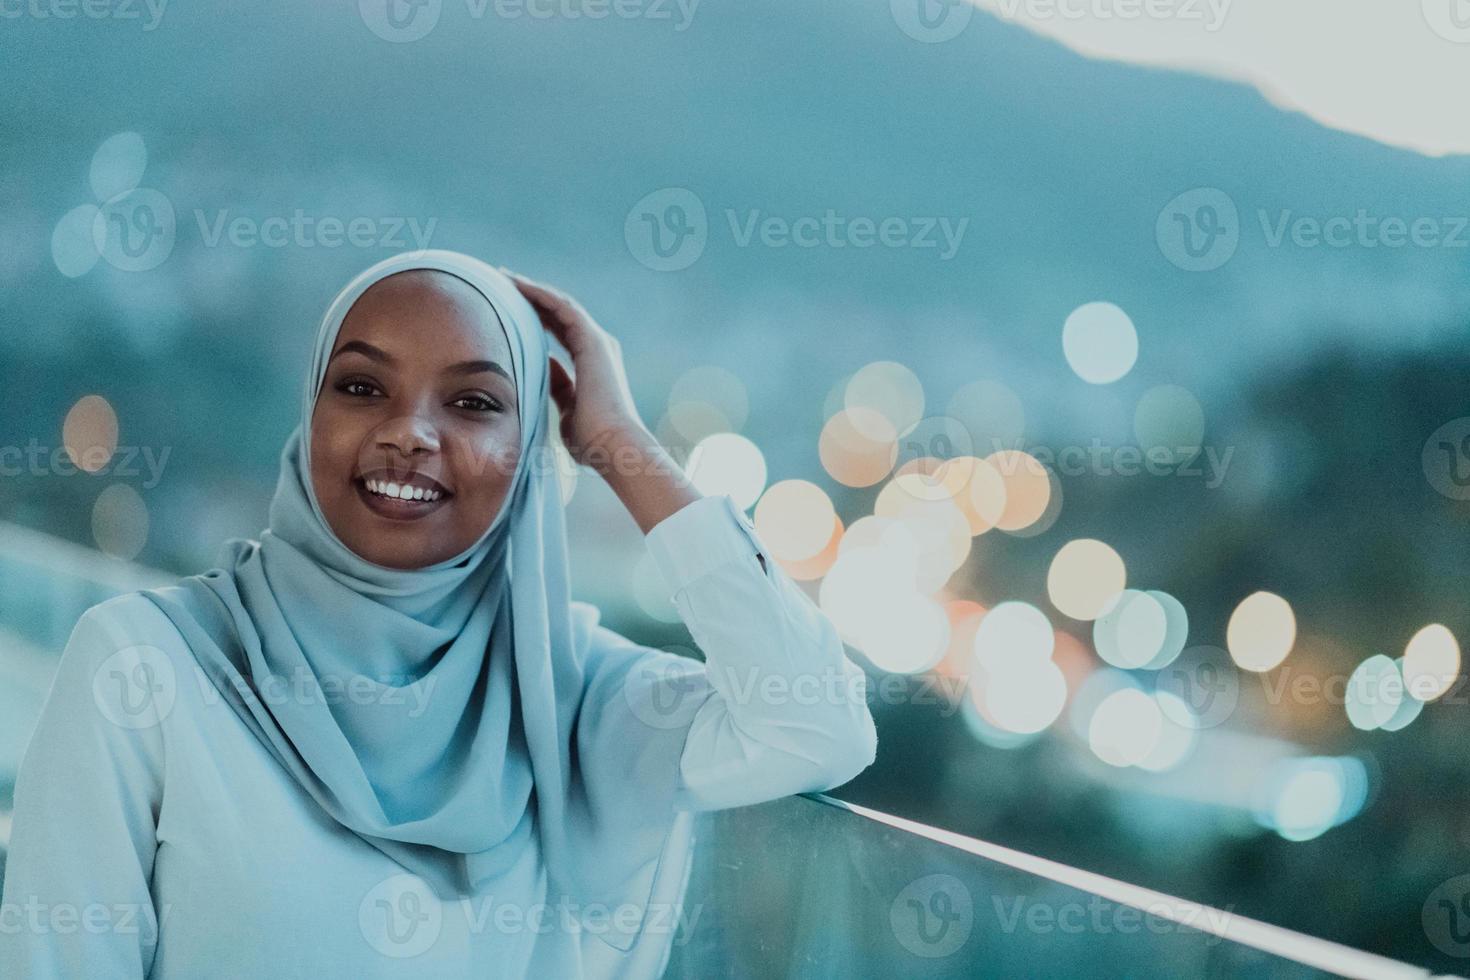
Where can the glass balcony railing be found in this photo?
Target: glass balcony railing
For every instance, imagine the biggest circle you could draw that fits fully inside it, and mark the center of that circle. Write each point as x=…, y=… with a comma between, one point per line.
x=810, y=886
x=46, y=583
x=801, y=887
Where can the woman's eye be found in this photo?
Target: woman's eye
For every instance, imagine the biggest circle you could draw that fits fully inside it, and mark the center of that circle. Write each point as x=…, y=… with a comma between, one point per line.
x=356, y=387
x=478, y=403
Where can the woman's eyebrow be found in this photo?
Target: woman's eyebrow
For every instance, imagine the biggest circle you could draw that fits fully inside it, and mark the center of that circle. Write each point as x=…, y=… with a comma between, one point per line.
x=475, y=367
x=366, y=349
x=463, y=367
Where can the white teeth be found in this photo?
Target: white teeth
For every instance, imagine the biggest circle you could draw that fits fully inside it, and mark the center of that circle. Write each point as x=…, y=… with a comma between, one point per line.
x=402, y=491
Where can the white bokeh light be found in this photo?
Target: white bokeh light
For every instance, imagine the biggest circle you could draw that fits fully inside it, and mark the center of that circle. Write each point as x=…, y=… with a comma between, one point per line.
x=1261, y=632
x=1125, y=728
x=1373, y=693
x=728, y=463
x=1431, y=662
x=1024, y=695
x=1132, y=631
x=1013, y=631
x=1177, y=734
x=1100, y=342
x=1085, y=577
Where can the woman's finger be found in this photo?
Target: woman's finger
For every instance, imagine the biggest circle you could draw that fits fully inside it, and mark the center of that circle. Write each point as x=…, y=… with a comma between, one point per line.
x=561, y=313
x=563, y=388
x=541, y=294
x=562, y=325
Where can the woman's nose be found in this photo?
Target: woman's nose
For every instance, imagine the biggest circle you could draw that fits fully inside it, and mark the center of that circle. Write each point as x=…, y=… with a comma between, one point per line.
x=409, y=434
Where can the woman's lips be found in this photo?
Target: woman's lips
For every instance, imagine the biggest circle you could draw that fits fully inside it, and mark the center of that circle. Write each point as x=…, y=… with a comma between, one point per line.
x=396, y=508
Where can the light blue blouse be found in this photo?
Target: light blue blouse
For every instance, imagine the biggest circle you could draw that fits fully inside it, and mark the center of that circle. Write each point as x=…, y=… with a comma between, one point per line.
x=154, y=836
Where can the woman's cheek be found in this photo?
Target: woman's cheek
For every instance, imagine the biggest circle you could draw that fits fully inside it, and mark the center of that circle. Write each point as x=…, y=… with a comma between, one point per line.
x=332, y=442
x=497, y=462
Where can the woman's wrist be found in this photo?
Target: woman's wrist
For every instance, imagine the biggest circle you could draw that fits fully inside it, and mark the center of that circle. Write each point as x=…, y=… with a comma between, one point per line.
x=651, y=485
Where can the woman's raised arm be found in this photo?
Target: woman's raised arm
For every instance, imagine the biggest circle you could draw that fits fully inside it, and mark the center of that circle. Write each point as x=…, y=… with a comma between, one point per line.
x=788, y=713
x=784, y=710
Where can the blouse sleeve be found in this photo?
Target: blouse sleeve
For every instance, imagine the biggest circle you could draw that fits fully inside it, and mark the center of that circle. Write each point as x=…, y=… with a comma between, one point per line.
x=76, y=896
x=787, y=710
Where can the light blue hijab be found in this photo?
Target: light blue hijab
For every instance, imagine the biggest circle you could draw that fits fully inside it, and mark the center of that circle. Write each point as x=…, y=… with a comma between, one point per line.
x=473, y=714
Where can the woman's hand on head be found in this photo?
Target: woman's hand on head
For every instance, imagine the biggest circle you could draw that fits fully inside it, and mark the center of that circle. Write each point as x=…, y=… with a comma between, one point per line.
x=597, y=409
x=599, y=422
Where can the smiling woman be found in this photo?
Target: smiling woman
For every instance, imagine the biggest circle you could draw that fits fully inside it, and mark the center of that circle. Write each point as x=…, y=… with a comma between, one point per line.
x=349, y=748
x=416, y=433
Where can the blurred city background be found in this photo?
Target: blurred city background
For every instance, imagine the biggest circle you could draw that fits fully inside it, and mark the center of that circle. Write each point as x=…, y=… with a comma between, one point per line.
x=1103, y=377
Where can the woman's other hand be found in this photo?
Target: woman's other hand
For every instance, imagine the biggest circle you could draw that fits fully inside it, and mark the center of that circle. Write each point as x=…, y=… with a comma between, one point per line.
x=594, y=400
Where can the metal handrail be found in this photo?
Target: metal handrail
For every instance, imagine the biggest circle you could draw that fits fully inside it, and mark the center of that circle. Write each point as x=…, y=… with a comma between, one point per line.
x=1308, y=951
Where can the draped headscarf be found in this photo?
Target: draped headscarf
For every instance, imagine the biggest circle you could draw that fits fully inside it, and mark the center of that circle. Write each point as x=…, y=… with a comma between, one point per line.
x=454, y=714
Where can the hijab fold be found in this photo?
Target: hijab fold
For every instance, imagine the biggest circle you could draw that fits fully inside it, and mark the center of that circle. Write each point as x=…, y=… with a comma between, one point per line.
x=451, y=715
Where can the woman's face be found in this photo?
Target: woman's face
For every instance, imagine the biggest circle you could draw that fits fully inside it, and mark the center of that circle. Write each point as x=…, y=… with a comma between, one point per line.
x=417, y=400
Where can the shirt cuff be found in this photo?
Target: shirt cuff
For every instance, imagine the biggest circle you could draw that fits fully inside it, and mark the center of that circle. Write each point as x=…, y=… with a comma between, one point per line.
x=700, y=537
